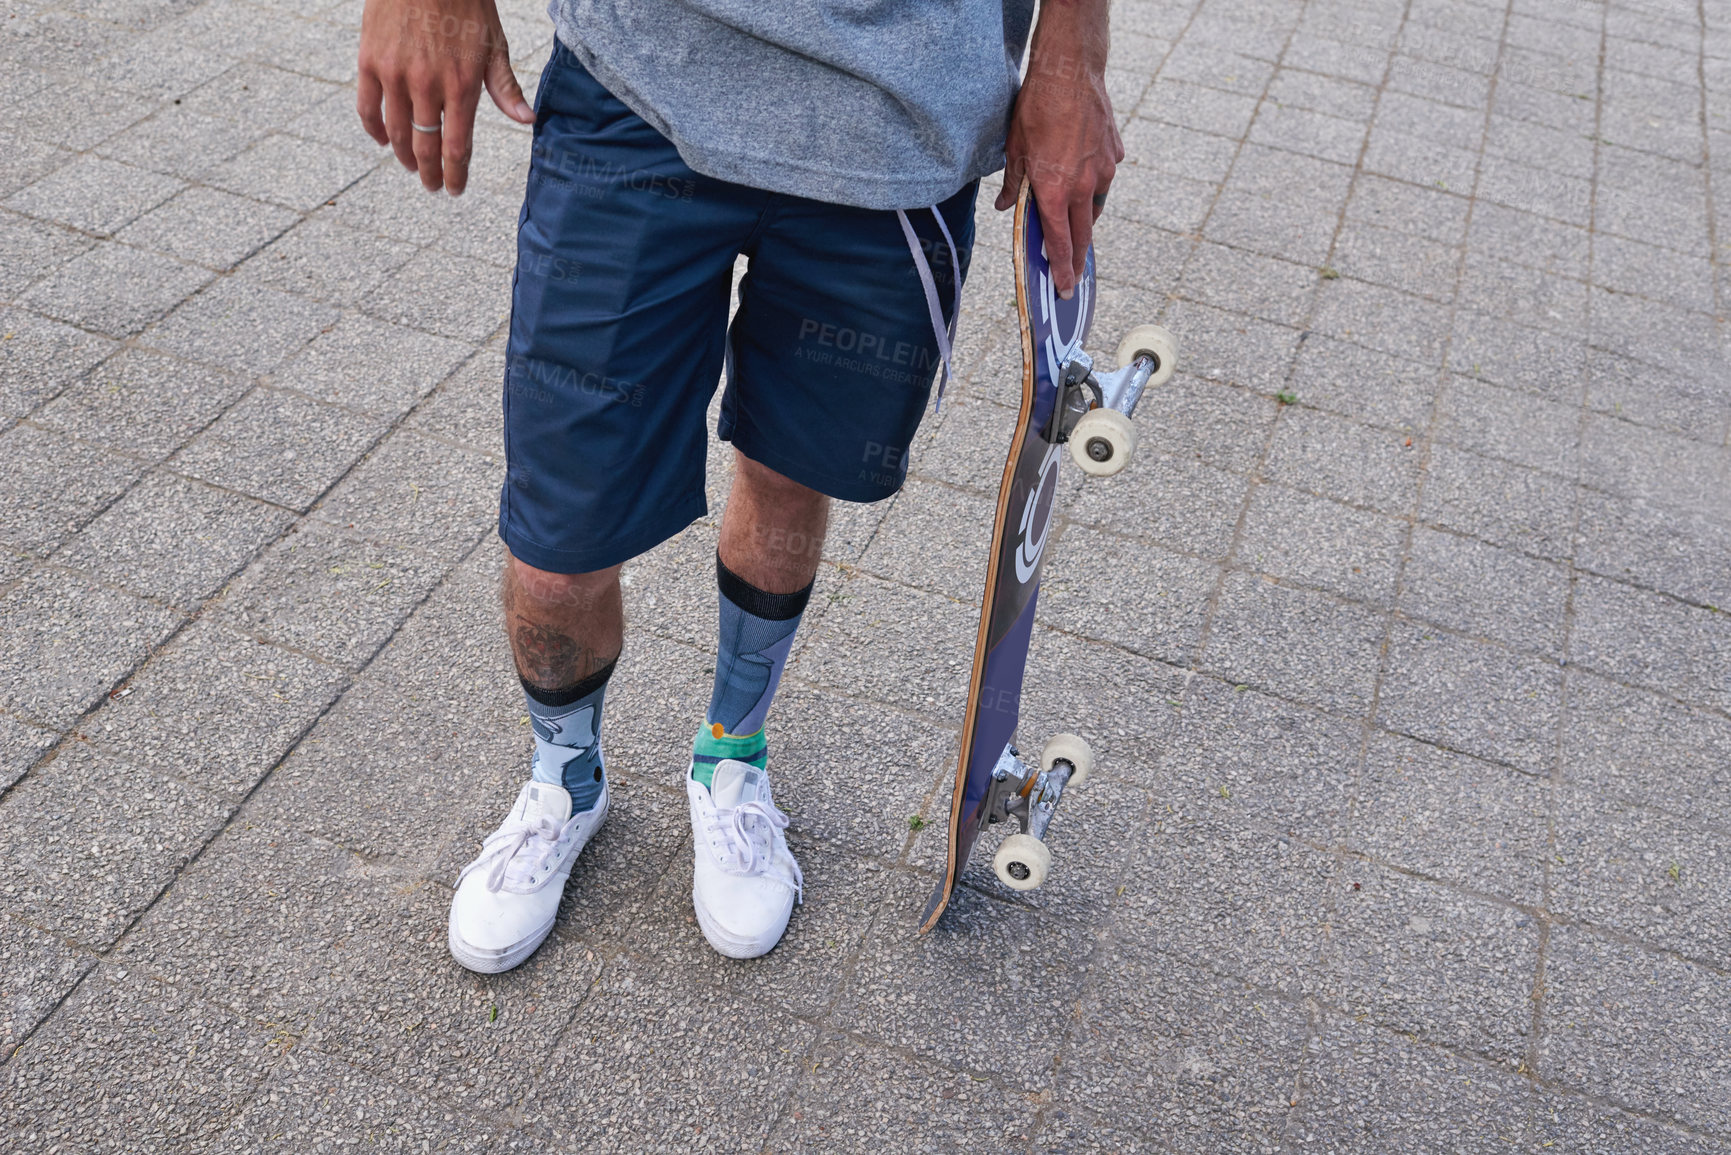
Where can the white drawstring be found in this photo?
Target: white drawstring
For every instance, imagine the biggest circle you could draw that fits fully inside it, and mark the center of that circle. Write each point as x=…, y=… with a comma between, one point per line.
x=944, y=332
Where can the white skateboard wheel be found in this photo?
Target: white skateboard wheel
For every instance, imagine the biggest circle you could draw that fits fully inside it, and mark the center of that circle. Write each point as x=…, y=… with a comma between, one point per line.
x=1154, y=340
x=1022, y=862
x=1102, y=442
x=1071, y=749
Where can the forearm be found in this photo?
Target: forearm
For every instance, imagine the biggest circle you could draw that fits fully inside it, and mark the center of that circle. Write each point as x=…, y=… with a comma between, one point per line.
x=1070, y=41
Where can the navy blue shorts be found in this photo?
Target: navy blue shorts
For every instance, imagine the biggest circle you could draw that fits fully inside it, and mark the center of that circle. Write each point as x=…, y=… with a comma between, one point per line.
x=619, y=334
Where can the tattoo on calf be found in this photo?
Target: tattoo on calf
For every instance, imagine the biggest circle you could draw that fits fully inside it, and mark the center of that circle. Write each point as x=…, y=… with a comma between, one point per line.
x=548, y=658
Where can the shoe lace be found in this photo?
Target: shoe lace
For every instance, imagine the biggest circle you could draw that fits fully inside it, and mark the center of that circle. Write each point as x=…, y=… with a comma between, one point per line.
x=504, y=850
x=747, y=847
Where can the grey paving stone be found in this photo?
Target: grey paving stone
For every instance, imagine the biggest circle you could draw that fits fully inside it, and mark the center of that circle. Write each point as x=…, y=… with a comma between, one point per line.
x=1161, y=618
x=66, y=826
x=1529, y=239
x=1192, y=106
x=253, y=94
x=417, y=493
x=40, y=971
x=1544, y=364
x=215, y=709
x=174, y=1072
x=68, y=640
x=95, y=195
x=115, y=289
x=326, y=260
x=1577, y=1123
x=1363, y=384
x=1649, y=544
x=1564, y=110
x=241, y=327
x=1369, y=1089
x=1674, y=339
x=1184, y=152
x=902, y=550
x=816, y=732
x=1161, y=199
x=1171, y=1050
x=1420, y=162
x=173, y=539
x=370, y=365
x=1474, y=962
x=177, y=141
x=45, y=507
x=965, y=446
x=867, y=1098
x=1433, y=36
x=1471, y=696
x=208, y=227
x=1424, y=809
x=663, y=1060
x=330, y=592
x=1471, y=586
x=279, y=446
x=142, y=403
x=1294, y=642
x=1317, y=542
x=1437, y=122
x=1673, y=278
x=1420, y=209
x=1383, y=319
x=30, y=249
x=1358, y=464
x=465, y=407
x=1319, y=52
x=1635, y=391
x=1067, y=1131
x=1294, y=87
x=1502, y=503
x=891, y=644
x=802, y=974
x=38, y=357
x=1314, y=134
x=162, y=66
x=920, y=992
x=1646, y=747
x=291, y=171
x=21, y=745
x=1264, y=223
x=446, y=294
x=1241, y=903
x=1178, y=502
x=310, y=1100
x=1241, y=755
x=1653, y=876
x=1642, y=637
x=1635, y=1027
x=1522, y=294
x=1228, y=347
x=1397, y=260
x=1274, y=290
x=29, y=160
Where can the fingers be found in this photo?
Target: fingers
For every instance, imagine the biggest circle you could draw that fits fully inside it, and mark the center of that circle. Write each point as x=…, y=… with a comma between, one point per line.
x=429, y=105
x=399, y=115
x=459, y=138
x=1015, y=166
x=1060, y=248
x=1082, y=215
x=502, y=86
x=369, y=94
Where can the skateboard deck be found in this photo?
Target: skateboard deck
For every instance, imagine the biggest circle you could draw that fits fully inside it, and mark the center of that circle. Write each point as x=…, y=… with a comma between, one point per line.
x=991, y=782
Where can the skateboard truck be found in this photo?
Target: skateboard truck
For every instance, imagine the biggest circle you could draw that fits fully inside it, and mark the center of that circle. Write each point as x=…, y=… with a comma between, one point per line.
x=1030, y=795
x=1094, y=408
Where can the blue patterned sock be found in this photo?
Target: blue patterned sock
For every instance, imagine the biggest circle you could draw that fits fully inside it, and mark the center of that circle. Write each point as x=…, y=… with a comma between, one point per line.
x=568, y=736
x=757, y=631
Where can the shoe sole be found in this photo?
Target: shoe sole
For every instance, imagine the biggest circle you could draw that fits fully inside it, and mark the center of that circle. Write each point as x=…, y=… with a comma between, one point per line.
x=492, y=962
x=731, y=947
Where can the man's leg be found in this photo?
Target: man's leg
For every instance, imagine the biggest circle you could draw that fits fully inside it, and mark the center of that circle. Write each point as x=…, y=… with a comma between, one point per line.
x=566, y=631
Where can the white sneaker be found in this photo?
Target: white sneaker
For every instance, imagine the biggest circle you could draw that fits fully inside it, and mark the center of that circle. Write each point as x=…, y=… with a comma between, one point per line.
x=507, y=898
x=745, y=880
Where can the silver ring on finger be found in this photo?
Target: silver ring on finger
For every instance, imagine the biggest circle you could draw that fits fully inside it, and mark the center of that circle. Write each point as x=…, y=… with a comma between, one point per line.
x=425, y=127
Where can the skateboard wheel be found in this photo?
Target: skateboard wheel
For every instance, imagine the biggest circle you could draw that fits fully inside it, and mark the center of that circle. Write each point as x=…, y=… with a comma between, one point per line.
x=1022, y=862
x=1102, y=442
x=1150, y=339
x=1073, y=750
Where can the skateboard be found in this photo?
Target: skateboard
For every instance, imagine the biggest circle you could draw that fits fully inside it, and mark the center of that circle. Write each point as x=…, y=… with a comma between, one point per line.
x=1068, y=409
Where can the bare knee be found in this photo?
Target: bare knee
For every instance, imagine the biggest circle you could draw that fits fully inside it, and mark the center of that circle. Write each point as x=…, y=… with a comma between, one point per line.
x=543, y=593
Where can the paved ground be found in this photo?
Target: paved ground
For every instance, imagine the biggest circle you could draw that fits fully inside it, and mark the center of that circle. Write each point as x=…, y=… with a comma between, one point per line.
x=1412, y=826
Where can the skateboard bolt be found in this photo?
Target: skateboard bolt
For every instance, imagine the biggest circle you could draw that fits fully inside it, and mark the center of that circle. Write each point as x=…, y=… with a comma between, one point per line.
x=1099, y=449
x=1018, y=871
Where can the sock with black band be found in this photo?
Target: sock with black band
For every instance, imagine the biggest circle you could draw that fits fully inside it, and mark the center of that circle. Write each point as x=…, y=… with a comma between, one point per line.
x=757, y=629
x=567, y=727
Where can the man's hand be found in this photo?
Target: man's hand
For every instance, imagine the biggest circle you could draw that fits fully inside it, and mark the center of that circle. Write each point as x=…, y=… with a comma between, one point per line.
x=1063, y=136
x=425, y=61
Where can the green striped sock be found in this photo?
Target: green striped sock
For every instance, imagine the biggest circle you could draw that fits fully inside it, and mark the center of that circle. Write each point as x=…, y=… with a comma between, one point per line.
x=712, y=746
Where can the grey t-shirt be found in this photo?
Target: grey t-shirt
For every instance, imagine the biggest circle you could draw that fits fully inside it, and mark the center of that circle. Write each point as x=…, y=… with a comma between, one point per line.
x=881, y=104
